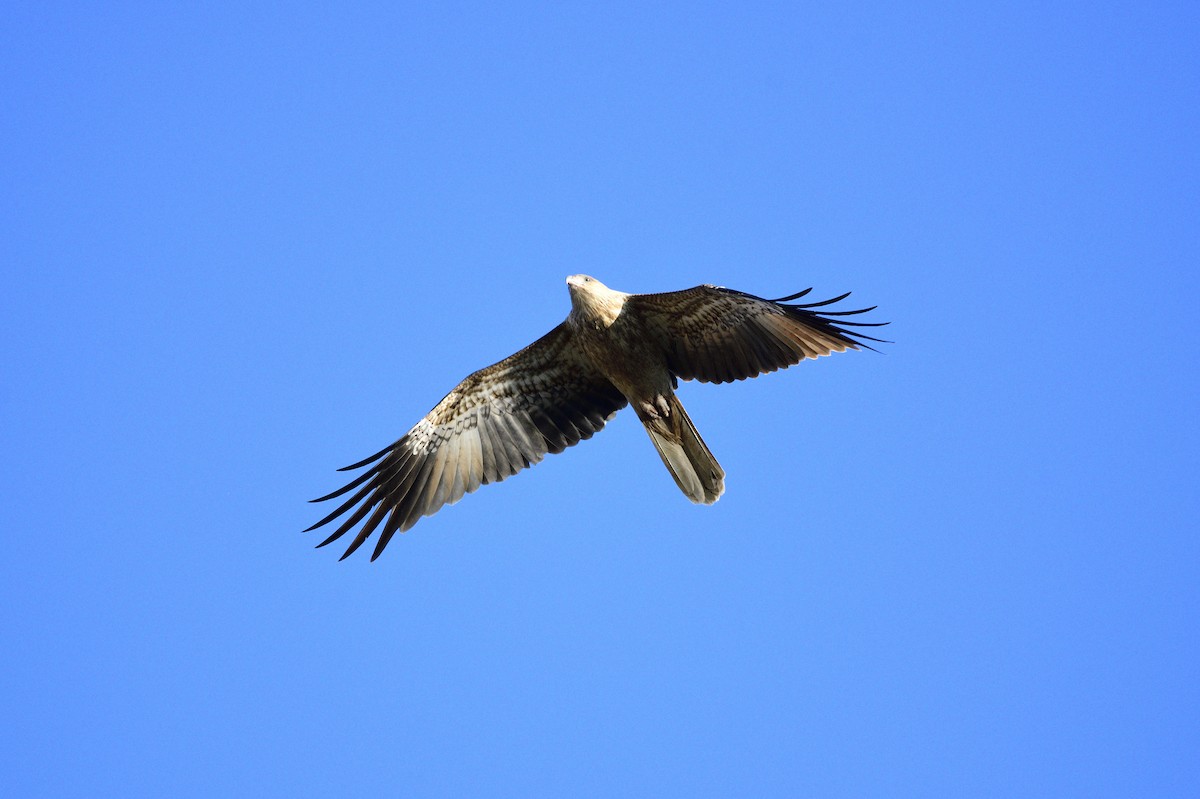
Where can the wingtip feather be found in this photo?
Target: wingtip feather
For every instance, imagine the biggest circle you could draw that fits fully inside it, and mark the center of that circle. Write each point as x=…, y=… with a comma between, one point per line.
x=371, y=459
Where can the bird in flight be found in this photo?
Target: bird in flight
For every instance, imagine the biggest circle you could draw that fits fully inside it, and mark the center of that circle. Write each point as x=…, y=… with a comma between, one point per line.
x=614, y=349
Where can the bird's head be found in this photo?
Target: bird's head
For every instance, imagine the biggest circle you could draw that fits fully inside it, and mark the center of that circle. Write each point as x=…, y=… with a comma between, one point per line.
x=583, y=283
x=592, y=299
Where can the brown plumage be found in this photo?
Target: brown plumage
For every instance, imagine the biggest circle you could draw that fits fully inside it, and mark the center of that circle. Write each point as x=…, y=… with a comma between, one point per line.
x=613, y=349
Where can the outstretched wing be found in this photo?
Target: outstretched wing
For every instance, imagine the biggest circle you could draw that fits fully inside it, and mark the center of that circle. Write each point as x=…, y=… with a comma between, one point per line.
x=719, y=335
x=496, y=422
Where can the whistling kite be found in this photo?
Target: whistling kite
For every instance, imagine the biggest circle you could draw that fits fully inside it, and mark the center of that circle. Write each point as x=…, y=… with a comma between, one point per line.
x=613, y=349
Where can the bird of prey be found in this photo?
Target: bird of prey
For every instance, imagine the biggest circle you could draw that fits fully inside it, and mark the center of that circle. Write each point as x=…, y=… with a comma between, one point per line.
x=614, y=349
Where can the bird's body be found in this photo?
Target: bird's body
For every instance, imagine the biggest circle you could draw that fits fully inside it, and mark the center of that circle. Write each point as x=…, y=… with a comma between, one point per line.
x=620, y=345
x=613, y=349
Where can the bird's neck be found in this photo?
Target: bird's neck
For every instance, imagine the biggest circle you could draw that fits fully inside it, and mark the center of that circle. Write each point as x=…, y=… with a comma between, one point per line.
x=596, y=308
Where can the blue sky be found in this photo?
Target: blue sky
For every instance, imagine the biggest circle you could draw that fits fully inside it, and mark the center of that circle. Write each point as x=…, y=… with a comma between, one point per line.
x=249, y=243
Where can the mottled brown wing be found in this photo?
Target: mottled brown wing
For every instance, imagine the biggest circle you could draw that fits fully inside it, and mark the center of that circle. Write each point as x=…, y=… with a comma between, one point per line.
x=496, y=422
x=719, y=335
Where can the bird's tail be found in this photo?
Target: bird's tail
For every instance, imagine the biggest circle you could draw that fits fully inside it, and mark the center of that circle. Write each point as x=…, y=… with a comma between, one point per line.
x=685, y=454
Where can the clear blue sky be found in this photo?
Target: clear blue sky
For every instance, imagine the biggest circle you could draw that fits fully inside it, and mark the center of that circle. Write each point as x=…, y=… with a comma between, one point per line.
x=246, y=244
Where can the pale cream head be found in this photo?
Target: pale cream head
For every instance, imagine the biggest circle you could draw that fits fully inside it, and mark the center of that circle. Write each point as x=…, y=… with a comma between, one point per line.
x=593, y=301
